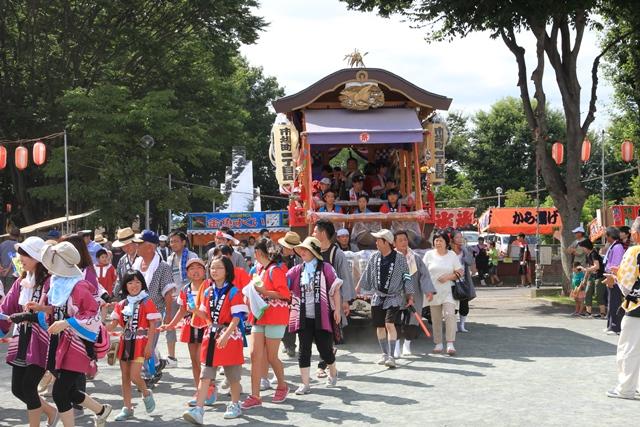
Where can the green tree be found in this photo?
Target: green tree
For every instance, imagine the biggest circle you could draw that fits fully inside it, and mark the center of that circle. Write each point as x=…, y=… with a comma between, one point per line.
x=517, y=199
x=459, y=193
x=168, y=69
x=558, y=28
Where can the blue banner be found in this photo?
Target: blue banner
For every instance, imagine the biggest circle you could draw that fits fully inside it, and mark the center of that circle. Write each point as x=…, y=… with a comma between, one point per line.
x=238, y=221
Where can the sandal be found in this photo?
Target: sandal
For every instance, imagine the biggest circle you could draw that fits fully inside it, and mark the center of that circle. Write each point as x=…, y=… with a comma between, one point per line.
x=321, y=373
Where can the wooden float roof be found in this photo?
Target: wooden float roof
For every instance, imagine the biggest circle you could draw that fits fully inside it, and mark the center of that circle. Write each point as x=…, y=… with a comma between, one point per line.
x=323, y=88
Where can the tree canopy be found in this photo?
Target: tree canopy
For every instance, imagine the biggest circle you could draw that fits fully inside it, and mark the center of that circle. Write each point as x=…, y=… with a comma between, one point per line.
x=111, y=72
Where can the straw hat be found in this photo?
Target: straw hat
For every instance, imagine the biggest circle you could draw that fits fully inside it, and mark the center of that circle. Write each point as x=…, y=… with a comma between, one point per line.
x=100, y=239
x=61, y=259
x=313, y=245
x=290, y=240
x=125, y=236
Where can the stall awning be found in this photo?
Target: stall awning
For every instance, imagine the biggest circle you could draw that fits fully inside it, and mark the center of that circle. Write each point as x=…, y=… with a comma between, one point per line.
x=382, y=126
x=520, y=220
x=51, y=222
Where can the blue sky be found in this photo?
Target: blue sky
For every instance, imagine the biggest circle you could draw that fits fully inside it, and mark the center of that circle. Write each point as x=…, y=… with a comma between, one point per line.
x=307, y=39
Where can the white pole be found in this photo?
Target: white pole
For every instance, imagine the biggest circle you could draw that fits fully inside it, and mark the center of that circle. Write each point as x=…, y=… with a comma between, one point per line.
x=146, y=203
x=169, y=222
x=66, y=180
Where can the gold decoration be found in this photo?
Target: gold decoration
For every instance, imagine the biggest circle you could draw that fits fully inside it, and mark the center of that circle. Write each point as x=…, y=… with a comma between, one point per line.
x=355, y=59
x=361, y=96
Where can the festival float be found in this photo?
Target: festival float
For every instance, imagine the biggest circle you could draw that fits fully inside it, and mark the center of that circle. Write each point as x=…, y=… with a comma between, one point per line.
x=375, y=114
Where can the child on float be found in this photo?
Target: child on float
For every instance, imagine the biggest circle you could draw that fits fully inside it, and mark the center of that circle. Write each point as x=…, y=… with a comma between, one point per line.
x=193, y=327
x=224, y=309
x=138, y=316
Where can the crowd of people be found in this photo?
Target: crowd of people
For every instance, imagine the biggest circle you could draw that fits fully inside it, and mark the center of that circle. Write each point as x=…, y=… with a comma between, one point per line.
x=72, y=294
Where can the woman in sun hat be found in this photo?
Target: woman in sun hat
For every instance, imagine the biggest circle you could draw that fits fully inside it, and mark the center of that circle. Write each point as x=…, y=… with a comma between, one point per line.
x=73, y=319
x=27, y=352
x=315, y=309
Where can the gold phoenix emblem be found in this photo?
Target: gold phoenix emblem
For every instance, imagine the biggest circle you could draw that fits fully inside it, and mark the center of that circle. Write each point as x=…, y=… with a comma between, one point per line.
x=361, y=96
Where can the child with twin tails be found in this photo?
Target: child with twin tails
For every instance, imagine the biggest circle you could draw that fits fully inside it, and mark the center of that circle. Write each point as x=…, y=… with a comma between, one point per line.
x=578, y=292
x=138, y=316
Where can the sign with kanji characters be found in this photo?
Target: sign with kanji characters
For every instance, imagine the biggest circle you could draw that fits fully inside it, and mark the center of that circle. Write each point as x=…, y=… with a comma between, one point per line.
x=454, y=217
x=520, y=220
x=284, y=145
x=436, y=136
x=248, y=222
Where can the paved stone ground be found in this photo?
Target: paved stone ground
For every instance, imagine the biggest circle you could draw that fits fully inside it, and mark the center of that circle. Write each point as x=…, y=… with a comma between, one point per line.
x=524, y=363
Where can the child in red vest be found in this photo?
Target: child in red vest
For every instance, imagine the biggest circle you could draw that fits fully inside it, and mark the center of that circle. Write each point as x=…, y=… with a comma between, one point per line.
x=105, y=271
x=224, y=309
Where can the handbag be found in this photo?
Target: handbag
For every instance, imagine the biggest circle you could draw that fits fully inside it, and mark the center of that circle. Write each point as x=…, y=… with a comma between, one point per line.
x=461, y=290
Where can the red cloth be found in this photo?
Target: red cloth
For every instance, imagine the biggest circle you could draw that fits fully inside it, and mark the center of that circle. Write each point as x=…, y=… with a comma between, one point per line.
x=232, y=353
x=241, y=278
x=275, y=279
x=386, y=208
x=107, y=276
x=146, y=314
x=191, y=321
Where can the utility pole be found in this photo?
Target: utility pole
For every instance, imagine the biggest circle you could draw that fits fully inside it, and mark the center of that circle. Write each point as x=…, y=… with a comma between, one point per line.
x=169, y=225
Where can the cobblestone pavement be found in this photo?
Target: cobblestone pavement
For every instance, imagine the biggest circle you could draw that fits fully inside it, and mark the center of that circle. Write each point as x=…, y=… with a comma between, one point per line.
x=523, y=363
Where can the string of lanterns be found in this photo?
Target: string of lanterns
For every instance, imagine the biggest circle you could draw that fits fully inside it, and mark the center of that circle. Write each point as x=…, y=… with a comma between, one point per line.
x=557, y=151
x=21, y=155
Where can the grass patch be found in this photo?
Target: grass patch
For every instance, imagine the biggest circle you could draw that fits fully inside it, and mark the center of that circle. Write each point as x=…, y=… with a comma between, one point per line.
x=561, y=299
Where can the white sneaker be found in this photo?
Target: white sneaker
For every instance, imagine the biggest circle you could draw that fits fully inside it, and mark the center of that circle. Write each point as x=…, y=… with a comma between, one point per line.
x=264, y=384
x=390, y=363
x=171, y=362
x=438, y=348
x=101, y=420
x=382, y=360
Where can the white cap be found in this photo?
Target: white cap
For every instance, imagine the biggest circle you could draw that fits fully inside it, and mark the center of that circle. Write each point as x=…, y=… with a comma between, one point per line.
x=342, y=232
x=579, y=229
x=325, y=180
x=384, y=234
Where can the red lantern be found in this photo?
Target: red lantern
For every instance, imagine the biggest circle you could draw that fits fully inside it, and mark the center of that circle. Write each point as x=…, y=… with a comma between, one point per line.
x=627, y=150
x=22, y=158
x=3, y=157
x=557, y=152
x=586, y=150
x=39, y=153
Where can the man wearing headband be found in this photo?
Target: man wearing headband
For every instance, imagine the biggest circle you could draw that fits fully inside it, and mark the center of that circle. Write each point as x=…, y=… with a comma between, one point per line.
x=225, y=236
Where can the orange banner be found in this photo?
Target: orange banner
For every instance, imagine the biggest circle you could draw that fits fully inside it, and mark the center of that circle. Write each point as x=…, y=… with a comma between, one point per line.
x=519, y=220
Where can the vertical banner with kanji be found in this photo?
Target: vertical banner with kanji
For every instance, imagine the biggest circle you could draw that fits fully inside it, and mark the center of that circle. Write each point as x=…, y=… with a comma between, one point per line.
x=436, y=141
x=284, y=140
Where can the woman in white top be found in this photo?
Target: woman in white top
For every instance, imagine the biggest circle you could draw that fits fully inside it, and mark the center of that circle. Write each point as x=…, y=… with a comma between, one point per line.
x=443, y=265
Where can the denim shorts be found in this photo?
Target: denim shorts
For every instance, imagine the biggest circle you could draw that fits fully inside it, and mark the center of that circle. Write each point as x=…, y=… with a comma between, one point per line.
x=274, y=332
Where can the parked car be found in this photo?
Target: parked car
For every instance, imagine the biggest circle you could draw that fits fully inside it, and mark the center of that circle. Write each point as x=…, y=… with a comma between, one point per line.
x=471, y=237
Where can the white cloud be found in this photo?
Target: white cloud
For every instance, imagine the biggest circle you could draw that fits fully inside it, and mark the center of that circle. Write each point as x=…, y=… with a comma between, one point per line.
x=307, y=40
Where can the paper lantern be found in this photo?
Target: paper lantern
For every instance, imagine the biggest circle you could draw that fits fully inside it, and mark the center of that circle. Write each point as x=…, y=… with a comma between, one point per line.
x=557, y=152
x=22, y=158
x=586, y=150
x=39, y=153
x=3, y=157
x=627, y=150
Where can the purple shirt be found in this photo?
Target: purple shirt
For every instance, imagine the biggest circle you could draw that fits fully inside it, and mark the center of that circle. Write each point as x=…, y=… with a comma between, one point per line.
x=614, y=256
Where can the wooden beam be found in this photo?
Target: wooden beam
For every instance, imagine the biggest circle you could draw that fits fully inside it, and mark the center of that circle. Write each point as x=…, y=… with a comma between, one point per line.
x=416, y=162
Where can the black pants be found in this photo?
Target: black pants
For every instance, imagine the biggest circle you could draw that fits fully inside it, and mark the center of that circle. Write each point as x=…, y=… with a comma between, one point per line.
x=66, y=392
x=24, y=384
x=324, y=344
x=81, y=384
x=464, y=307
x=289, y=340
x=614, y=312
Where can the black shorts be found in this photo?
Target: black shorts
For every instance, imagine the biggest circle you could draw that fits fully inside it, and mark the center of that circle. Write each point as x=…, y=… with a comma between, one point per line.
x=523, y=269
x=381, y=316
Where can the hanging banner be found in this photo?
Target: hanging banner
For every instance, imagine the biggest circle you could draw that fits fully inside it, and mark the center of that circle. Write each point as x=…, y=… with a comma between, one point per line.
x=454, y=217
x=437, y=137
x=596, y=230
x=519, y=220
x=624, y=214
x=284, y=147
x=241, y=222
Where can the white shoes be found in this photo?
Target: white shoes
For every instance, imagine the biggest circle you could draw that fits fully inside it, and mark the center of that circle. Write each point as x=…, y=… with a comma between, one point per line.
x=438, y=348
x=406, y=348
x=172, y=362
x=451, y=351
